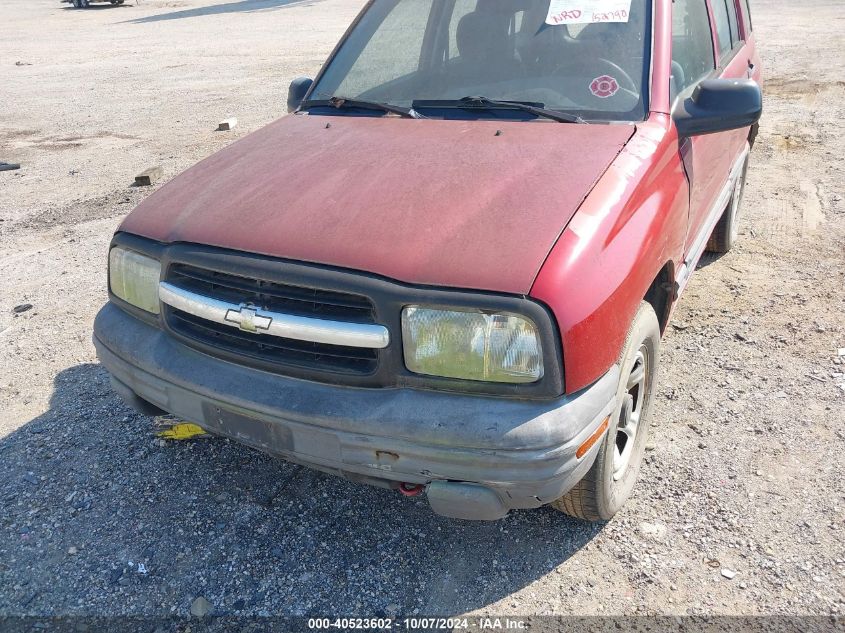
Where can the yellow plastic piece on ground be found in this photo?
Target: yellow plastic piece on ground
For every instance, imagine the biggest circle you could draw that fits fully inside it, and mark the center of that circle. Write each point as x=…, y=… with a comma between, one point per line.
x=183, y=431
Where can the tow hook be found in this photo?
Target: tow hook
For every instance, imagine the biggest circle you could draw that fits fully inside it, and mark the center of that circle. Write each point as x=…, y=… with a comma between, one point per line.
x=410, y=490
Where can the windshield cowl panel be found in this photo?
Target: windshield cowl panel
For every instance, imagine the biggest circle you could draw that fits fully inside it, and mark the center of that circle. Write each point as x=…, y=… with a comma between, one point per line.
x=403, y=52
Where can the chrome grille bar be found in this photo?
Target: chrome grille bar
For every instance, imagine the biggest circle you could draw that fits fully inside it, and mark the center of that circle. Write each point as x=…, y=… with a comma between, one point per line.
x=252, y=319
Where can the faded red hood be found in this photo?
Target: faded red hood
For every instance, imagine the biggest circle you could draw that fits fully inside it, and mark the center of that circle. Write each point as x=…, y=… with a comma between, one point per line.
x=444, y=203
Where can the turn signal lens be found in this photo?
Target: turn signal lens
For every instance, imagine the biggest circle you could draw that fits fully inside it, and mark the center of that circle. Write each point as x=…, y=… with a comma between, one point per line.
x=595, y=437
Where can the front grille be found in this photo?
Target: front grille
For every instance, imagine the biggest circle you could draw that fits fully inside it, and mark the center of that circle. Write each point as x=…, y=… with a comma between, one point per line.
x=270, y=295
x=272, y=351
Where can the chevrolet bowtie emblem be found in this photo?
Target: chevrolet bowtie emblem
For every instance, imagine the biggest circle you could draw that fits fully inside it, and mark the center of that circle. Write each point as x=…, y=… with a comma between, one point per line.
x=247, y=318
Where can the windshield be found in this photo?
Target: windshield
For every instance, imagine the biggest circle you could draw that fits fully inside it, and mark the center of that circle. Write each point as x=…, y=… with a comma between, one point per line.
x=559, y=55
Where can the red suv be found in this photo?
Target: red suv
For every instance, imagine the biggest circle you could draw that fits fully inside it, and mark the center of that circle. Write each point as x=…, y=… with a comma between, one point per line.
x=448, y=271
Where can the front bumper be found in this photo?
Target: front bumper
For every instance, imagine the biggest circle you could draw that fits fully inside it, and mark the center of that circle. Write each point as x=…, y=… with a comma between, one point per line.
x=478, y=456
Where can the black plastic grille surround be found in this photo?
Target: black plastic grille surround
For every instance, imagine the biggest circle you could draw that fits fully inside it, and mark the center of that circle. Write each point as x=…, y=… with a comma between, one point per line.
x=333, y=293
x=275, y=297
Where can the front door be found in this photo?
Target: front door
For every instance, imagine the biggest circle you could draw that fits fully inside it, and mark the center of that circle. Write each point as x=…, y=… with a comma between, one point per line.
x=707, y=43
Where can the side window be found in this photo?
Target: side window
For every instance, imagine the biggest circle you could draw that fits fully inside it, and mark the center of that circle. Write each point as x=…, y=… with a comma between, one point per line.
x=746, y=15
x=724, y=29
x=734, y=22
x=462, y=7
x=692, y=44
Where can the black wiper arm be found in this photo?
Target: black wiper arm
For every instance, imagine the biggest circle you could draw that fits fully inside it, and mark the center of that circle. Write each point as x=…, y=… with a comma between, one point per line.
x=344, y=102
x=485, y=102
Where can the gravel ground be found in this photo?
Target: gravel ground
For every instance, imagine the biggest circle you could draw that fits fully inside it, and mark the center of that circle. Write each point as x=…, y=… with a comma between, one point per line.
x=742, y=479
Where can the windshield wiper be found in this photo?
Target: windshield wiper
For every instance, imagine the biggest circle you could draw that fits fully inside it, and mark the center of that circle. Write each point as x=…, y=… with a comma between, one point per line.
x=485, y=103
x=344, y=102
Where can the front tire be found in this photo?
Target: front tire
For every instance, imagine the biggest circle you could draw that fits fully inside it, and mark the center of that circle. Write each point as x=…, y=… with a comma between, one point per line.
x=609, y=482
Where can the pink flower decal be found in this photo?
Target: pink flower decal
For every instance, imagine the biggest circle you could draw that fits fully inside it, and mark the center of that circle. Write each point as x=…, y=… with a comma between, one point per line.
x=604, y=86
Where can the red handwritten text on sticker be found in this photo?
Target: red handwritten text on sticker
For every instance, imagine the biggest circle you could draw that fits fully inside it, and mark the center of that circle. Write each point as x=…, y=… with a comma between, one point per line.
x=587, y=11
x=610, y=16
x=563, y=17
x=604, y=86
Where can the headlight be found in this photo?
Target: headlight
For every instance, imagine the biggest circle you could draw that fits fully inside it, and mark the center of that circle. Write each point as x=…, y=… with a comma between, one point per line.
x=134, y=278
x=471, y=345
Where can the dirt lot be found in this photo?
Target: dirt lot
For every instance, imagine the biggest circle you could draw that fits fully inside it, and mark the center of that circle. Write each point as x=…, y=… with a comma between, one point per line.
x=744, y=473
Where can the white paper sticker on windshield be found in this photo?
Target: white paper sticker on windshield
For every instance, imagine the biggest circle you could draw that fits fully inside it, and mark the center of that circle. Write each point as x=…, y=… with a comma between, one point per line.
x=588, y=11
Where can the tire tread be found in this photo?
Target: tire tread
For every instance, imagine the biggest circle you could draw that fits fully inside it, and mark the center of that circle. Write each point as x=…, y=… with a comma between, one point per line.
x=581, y=501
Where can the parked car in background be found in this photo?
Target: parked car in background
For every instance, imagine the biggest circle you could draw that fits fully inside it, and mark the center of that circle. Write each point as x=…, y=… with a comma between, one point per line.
x=448, y=272
x=84, y=4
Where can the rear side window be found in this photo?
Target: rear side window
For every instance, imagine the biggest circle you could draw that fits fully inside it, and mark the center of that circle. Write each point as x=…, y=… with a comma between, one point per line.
x=746, y=15
x=734, y=22
x=692, y=44
x=462, y=8
x=727, y=28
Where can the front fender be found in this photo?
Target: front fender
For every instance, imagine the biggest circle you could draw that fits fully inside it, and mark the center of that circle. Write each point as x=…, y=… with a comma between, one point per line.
x=631, y=226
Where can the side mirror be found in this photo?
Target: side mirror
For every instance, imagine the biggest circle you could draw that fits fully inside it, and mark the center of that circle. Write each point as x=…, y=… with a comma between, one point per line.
x=299, y=87
x=719, y=105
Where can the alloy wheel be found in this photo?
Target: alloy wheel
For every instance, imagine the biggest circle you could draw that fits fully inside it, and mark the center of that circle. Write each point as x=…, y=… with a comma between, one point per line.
x=628, y=425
